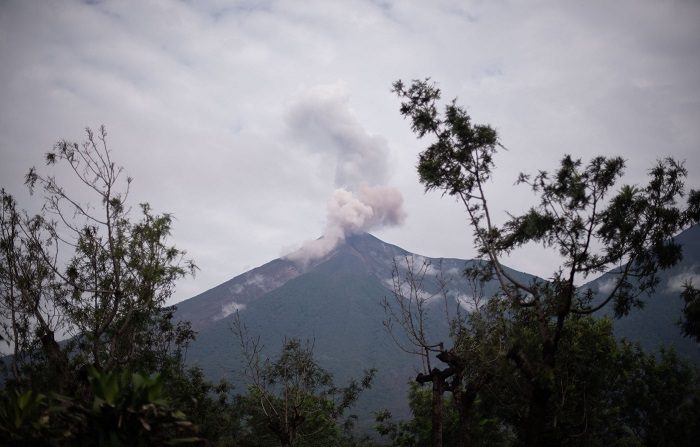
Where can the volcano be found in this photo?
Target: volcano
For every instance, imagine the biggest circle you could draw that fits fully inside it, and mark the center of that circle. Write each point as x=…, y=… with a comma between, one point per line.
x=336, y=303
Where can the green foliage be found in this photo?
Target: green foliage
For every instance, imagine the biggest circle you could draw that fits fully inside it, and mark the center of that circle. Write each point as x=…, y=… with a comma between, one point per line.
x=216, y=411
x=106, y=298
x=487, y=430
x=22, y=415
x=417, y=431
x=131, y=409
x=124, y=409
x=447, y=164
x=690, y=324
x=661, y=400
x=605, y=392
x=292, y=400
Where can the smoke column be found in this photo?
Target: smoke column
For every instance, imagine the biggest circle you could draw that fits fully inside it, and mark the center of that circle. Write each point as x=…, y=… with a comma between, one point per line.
x=323, y=122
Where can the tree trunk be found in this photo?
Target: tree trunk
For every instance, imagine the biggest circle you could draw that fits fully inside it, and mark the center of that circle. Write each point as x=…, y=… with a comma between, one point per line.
x=534, y=431
x=465, y=404
x=439, y=380
x=436, y=429
x=537, y=433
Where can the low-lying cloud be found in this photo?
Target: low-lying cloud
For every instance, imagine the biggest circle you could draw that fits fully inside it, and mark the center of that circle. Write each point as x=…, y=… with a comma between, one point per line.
x=677, y=282
x=228, y=309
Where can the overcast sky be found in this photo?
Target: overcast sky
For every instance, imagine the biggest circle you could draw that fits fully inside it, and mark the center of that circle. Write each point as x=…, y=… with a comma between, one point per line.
x=243, y=118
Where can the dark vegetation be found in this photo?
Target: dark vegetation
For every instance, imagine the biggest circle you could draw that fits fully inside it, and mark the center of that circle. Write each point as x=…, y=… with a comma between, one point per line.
x=99, y=359
x=530, y=333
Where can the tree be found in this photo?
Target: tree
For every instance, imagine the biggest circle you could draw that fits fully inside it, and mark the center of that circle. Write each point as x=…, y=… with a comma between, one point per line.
x=86, y=272
x=418, y=431
x=216, y=411
x=470, y=353
x=593, y=228
x=607, y=392
x=29, y=288
x=409, y=311
x=291, y=398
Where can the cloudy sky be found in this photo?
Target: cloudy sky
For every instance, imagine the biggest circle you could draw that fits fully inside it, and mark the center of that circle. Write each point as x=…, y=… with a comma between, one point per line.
x=249, y=120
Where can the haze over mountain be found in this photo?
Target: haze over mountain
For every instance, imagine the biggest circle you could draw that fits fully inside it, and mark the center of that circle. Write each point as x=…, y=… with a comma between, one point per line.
x=336, y=301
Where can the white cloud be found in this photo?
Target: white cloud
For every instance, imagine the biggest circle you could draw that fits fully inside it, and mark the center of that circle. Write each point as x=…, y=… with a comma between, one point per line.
x=236, y=289
x=606, y=285
x=256, y=280
x=229, y=309
x=466, y=302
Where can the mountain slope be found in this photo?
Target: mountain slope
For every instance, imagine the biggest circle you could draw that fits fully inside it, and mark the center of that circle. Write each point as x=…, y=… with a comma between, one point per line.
x=656, y=324
x=222, y=300
x=337, y=306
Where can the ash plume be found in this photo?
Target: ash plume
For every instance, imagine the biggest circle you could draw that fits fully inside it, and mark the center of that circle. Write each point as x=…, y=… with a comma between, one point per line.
x=323, y=122
x=372, y=207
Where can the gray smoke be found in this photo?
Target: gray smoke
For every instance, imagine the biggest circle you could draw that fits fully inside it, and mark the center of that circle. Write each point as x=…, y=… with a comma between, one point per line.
x=323, y=122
